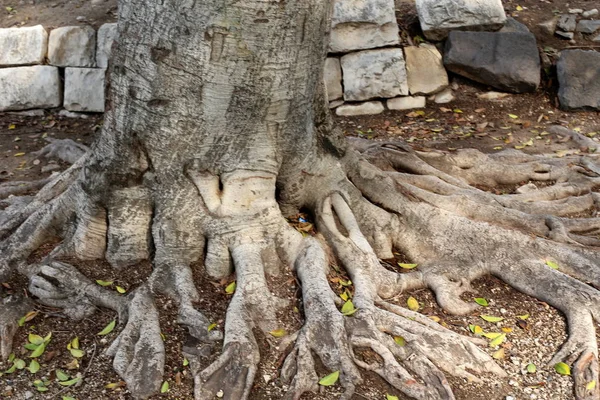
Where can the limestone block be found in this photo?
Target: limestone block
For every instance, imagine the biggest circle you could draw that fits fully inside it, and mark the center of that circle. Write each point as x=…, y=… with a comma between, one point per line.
x=23, y=46
x=107, y=34
x=406, y=103
x=363, y=24
x=425, y=69
x=368, y=108
x=84, y=89
x=374, y=73
x=72, y=46
x=333, y=79
x=438, y=17
x=23, y=88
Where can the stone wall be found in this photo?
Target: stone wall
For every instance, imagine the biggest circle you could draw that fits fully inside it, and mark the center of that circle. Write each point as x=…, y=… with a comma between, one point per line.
x=367, y=66
x=65, y=67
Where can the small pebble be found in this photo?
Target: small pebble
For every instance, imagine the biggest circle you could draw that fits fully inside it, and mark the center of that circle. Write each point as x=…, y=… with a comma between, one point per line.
x=575, y=11
x=590, y=13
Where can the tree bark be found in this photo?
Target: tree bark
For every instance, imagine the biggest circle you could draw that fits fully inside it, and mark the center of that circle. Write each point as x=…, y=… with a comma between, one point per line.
x=217, y=128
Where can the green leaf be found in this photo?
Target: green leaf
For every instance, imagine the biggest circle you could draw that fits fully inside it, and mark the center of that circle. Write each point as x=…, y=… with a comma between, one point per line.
x=492, y=335
x=185, y=362
x=107, y=329
x=42, y=389
x=552, y=264
x=412, y=304
x=531, y=368
x=11, y=357
x=348, y=308
x=34, y=366
x=513, y=116
x=47, y=338
x=278, y=333
x=31, y=346
x=21, y=321
x=345, y=283
x=75, y=343
x=591, y=385
x=330, y=379
x=77, y=353
x=400, y=341
x=481, y=301
x=70, y=382
x=120, y=289
x=11, y=369
x=476, y=329
x=408, y=266
x=390, y=397
x=35, y=339
x=38, y=351
x=490, y=318
x=20, y=364
x=498, y=341
x=104, y=283
x=562, y=368
x=165, y=387
x=230, y=289
x=211, y=327
x=523, y=317
x=61, y=375
x=344, y=296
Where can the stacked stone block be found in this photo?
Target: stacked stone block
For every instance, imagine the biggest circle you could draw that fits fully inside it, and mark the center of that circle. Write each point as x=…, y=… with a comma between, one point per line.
x=32, y=62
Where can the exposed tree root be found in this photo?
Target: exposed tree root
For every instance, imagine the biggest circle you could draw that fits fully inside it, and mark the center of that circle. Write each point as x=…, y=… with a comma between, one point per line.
x=430, y=205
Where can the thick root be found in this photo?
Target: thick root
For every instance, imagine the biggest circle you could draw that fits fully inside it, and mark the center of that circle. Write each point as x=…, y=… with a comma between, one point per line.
x=12, y=309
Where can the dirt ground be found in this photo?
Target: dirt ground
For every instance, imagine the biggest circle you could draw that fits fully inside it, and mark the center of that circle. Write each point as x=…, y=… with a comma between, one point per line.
x=514, y=121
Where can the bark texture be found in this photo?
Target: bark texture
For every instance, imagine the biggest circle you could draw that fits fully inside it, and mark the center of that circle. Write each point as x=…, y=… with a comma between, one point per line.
x=217, y=128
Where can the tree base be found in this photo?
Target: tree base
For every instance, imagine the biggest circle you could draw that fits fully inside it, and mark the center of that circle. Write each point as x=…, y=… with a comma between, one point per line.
x=378, y=198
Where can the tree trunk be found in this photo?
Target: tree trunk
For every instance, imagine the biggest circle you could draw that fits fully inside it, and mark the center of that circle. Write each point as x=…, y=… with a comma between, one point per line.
x=216, y=128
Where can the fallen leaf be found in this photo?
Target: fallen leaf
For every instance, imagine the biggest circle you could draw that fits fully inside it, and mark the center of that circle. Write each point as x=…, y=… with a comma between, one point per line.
x=19, y=154
x=492, y=335
x=330, y=379
x=348, y=308
x=107, y=329
x=278, y=333
x=407, y=266
x=120, y=289
x=76, y=353
x=498, y=341
x=531, y=368
x=34, y=366
x=61, y=375
x=562, y=368
x=390, y=397
x=165, y=387
x=230, y=289
x=490, y=318
x=513, y=116
x=591, y=385
x=104, y=283
x=211, y=327
x=552, y=264
x=70, y=382
x=412, y=304
x=481, y=301
x=523, y=317
x=499, y=354
x=476, y=329
x=400, y=341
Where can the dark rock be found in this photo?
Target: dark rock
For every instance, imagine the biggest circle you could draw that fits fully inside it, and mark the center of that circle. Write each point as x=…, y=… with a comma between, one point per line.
x=579, y=80
x=588, y=26
x=512, y=25
x=565, y=35
x=567, y=22
x=505, y=60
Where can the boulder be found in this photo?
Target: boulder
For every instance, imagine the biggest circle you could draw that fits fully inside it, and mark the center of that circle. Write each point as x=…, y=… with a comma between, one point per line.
x=406, y=103
x=362, y=24
x=425, y=70
x=25, y=88
x=374, y=73
x=23, y=46
x=72, y=46
x=84, y=89
x=333, y=79
x=567, y=22
x=507, y=61
x=438, y=17
x=588, y=26
x=579, y=80
x=512, y=25
x=107, y=34
x=368, y=108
